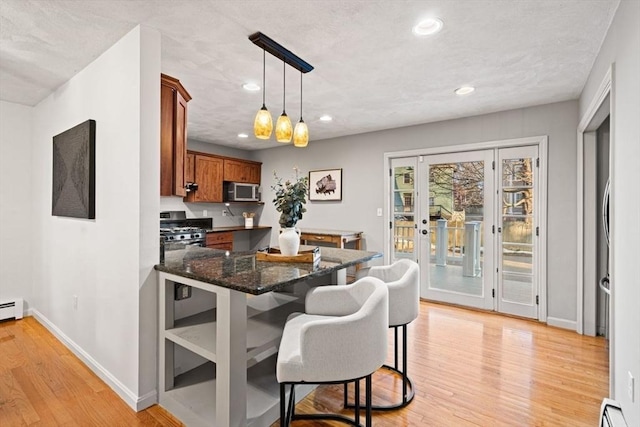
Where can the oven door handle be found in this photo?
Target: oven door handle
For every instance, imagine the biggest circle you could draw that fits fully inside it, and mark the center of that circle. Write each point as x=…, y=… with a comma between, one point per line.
x=187, y=243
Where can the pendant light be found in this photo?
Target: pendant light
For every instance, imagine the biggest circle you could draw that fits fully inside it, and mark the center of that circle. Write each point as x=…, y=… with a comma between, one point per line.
x=263, y=124
x=301, y=132
x=284, y=130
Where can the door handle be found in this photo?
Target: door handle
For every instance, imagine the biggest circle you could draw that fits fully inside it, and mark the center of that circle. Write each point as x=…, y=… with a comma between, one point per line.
x=424, y=231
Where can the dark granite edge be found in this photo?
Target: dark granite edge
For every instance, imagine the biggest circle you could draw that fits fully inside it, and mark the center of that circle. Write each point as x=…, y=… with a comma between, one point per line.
x=199, y=278
x=276, y=287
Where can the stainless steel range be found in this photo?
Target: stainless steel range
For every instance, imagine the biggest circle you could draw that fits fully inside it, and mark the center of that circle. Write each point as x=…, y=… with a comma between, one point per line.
x=193, y=236
x=176, y=228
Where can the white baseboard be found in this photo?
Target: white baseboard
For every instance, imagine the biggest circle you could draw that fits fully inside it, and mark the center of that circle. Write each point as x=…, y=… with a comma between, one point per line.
x=137, y=403
x=146, y=400
x=562, y=323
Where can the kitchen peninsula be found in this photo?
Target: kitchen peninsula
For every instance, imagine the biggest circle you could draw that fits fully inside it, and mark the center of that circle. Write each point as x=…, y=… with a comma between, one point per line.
x=230, y=328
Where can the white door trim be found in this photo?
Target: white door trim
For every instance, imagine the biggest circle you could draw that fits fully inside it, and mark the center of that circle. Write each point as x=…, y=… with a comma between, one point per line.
x=606, y=89
x=476, y=146
x=601, y=95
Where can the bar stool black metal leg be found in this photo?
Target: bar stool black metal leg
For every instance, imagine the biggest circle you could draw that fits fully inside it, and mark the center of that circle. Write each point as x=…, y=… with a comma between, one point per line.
x=404, y=365
x=395, y=347
x=407, y=386
x=282, y=406
x=345, y=401
x=356, y=414
x=291, y=410
x=368, y=400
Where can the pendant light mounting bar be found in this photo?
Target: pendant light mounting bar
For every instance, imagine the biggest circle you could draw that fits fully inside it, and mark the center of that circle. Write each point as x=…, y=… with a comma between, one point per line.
x=280, y=52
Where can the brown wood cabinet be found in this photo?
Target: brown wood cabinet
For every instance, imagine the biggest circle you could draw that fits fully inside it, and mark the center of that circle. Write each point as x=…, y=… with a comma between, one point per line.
x=190, y=171
x=209, y=171
x=205, y=170
x=222, y=240
x=173, y=136
x=236, y=170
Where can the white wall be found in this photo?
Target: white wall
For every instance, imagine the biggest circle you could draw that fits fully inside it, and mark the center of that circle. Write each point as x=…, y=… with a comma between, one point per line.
x=148, y=176
x=361, y=158
x=16, y=231
x=107, y=262
x=622, y=48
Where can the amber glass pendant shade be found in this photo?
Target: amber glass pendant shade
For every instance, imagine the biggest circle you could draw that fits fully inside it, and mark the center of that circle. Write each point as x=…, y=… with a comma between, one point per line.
x=263, y=124
x=284, y=130
x=301, y=134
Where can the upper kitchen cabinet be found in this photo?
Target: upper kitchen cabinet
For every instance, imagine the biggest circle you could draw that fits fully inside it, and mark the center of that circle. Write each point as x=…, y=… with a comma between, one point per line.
x=236, y=170
x=173, y=136
x=206, y=171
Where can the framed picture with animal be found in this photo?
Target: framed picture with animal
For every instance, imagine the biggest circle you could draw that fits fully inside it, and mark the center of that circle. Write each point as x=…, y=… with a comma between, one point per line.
x=325, y=185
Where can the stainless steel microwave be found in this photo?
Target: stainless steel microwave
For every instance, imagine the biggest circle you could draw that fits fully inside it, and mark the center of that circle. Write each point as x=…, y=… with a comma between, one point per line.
x=242, y=192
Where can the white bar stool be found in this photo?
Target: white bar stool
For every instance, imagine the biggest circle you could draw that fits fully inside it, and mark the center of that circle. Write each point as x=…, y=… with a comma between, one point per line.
x=341, y=338
x=403, y=281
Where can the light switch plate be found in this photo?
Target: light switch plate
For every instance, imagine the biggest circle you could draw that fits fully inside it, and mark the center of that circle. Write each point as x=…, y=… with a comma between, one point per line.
x=379, y=213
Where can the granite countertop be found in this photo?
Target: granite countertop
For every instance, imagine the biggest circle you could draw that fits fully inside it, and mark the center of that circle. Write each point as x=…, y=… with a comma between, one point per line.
x=241, y=271
x=237, y=228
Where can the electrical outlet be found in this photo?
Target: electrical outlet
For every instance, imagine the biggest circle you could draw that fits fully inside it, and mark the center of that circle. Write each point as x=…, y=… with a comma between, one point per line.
x=630, y=386
x=182, y=292
x=224, y=212
x=379, y=212
x=204, y=212
x=75, y=302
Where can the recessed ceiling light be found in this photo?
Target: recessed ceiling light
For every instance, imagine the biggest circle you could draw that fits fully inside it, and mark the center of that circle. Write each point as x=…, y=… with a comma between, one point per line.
x=326, y=118
x=252, y=87
x=428, y=27
x=243, y=135
x=464, y=90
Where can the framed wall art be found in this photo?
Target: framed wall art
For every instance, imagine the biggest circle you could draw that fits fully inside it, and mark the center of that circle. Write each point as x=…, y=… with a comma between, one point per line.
x=74, y=172
x=325, y=185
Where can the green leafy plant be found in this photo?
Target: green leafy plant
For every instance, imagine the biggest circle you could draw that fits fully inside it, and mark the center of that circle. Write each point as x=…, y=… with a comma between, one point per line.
x=290, y=198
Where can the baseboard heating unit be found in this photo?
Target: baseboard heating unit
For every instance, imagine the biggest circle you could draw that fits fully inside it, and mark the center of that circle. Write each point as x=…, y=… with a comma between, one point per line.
x=611, y=414
x=10, y=309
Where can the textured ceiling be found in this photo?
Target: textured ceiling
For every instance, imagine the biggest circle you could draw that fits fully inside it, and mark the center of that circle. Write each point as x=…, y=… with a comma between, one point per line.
x=371, y=72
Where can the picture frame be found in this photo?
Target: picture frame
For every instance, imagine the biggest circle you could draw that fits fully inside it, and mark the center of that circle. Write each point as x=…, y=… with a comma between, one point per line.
x=73, y=191
x=325, y=185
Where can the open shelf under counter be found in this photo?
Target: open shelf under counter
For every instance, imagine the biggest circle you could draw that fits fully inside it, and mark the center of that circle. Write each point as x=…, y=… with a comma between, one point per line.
x=194, y=392
x=266, y=314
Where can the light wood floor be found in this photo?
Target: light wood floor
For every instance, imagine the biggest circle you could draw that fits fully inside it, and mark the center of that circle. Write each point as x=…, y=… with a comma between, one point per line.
x=470, y=369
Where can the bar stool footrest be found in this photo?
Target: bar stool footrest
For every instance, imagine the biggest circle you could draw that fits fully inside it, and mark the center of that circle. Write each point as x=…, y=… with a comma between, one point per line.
x=330, y=417
x=393, y=406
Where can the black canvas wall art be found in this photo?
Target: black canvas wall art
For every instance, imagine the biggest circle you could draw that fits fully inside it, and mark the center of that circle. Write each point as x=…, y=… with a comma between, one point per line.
x=74, y=172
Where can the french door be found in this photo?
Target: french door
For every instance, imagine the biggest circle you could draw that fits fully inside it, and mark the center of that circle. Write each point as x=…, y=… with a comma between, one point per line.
x=470, y=220
x=518, y=231
x=456, y=211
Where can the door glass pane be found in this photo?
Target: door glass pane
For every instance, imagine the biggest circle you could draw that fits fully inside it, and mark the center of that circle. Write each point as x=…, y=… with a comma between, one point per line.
x=517, y=230
x=404, y=212
x=456, y=216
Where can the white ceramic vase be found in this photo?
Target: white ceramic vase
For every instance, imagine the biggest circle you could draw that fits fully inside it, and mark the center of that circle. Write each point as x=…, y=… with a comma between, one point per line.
x=289, y=241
